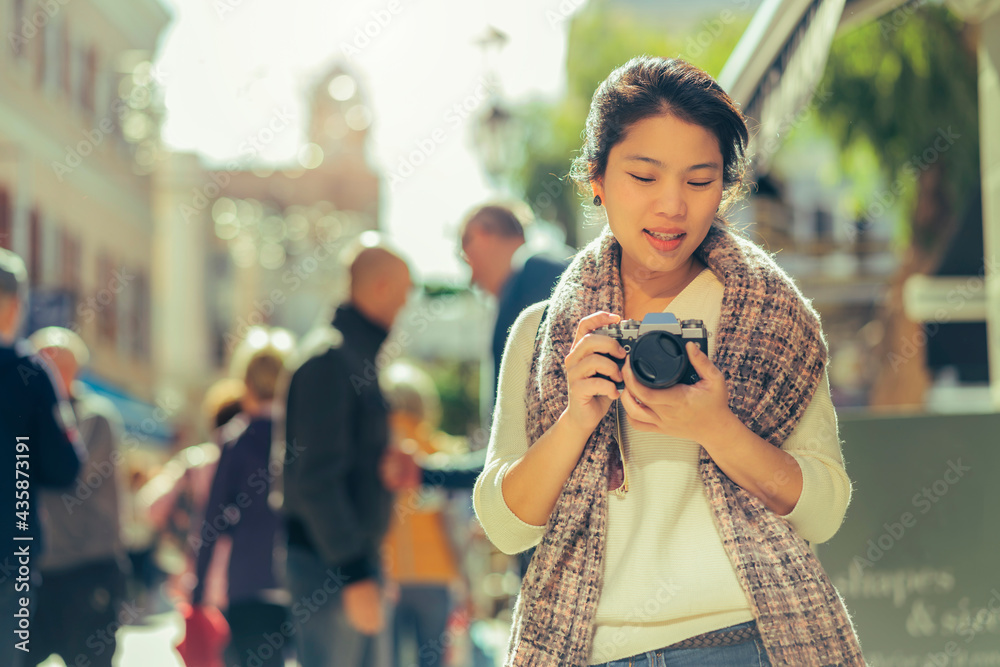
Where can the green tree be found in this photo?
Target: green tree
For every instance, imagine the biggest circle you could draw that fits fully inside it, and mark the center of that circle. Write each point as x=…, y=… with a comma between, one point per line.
x=903, y=89
x=602, y=36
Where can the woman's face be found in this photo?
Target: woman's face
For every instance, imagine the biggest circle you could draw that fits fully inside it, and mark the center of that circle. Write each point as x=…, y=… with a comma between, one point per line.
x=662, y=188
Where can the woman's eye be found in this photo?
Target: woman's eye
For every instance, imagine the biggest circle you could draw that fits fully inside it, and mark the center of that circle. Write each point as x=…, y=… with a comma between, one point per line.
x=641, y=179
x=700, y=184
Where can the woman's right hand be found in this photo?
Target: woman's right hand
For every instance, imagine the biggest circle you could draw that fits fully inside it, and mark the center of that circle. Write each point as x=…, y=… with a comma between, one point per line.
x=532, y=484
x=589, y=396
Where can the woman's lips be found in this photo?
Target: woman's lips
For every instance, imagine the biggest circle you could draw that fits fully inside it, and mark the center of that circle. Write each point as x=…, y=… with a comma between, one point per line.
x=664, y=245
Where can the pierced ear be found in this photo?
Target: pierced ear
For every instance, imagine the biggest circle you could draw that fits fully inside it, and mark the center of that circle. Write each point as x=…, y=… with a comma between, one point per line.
x=597, y=187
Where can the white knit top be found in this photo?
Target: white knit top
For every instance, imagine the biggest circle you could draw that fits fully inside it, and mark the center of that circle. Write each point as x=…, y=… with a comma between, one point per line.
x=667, y=575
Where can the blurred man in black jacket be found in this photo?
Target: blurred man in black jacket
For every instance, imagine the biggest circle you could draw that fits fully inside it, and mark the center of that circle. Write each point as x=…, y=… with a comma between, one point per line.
x=40, y=449
x=503, y=265
x=335, y=502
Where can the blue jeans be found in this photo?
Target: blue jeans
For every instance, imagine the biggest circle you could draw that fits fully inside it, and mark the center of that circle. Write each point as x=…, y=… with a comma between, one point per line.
x=324, y=636
x=750, y=653
x=421, y=615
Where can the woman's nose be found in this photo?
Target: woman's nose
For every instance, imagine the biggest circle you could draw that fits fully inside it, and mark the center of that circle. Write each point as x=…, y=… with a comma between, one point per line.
x=670, y=201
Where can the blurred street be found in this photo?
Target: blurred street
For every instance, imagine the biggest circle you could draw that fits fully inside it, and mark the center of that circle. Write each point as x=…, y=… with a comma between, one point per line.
x=260, y=263
x=150, y=645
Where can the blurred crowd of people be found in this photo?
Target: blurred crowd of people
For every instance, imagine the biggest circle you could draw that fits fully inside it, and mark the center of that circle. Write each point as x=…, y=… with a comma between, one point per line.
x=326, y=519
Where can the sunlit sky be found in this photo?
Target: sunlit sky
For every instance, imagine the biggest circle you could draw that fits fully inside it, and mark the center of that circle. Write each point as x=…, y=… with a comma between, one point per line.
x=227, y=66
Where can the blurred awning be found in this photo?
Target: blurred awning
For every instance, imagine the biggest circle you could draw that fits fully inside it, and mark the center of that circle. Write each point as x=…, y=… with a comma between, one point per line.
x=776, y=67
x=145, y=423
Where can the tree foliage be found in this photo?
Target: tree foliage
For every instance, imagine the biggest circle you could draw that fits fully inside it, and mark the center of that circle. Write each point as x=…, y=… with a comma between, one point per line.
x=896, y=87
x=602, y=36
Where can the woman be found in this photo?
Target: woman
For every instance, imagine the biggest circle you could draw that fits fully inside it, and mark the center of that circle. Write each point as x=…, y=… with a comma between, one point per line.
x=418, y=552
x=238, y=506
x=700, y=556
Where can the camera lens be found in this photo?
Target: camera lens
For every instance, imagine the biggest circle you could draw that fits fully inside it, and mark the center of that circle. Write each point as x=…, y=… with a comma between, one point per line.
x=658, y=360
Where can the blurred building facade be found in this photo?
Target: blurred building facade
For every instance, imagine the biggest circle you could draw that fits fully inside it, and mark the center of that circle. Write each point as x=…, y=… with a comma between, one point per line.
x=283, y=229
x=78, y=139
x=246, y=243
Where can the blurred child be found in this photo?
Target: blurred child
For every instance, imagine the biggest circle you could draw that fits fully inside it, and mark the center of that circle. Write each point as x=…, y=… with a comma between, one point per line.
x=418, y=549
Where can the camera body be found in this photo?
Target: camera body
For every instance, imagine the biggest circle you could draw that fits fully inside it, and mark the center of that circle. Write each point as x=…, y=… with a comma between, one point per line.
x=655, y=348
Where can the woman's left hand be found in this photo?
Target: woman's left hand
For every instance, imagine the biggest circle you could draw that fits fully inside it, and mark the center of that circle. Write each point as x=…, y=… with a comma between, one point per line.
x=693, y=412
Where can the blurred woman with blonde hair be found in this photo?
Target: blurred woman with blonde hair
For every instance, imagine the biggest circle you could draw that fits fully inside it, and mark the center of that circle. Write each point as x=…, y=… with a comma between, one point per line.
x=238, y=505
x=421, y=558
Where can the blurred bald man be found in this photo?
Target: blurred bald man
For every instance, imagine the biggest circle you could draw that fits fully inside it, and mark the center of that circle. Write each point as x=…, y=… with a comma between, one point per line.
x=336, y=432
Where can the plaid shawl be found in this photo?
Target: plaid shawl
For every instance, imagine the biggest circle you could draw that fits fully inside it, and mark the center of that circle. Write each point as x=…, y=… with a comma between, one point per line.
x=771, y=349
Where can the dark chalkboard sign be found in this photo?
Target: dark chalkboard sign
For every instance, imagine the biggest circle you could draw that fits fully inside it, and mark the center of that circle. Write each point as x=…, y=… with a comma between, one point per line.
x=917, y=560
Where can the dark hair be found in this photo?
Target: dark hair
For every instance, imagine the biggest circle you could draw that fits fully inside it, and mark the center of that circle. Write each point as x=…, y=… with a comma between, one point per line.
x=226, y=412
x=647, y=86
x=223, y=401
x=495, y=219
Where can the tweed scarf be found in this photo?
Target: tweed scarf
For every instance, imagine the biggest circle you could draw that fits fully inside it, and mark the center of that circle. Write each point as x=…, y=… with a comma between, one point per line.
x=771, y=350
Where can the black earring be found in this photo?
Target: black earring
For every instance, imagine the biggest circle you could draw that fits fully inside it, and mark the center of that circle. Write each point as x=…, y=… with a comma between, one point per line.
x=597, y=200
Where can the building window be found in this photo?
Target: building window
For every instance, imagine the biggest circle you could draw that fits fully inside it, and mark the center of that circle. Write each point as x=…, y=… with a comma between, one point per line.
x=6, y=221
x=34, y=248
x=68, y=67
x=71, y=262
x=41, y=55
x=140, y=316
x=823, y=225
x=107, y=311
x=116, y=106
x=64, y=82
x=17, y=41
x=89, y=83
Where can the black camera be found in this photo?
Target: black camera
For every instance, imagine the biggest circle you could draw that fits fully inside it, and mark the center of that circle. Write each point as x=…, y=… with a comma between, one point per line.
x=655, y=348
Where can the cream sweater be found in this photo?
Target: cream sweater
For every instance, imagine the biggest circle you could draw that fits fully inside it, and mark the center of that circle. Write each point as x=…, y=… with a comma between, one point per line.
x=667, y=576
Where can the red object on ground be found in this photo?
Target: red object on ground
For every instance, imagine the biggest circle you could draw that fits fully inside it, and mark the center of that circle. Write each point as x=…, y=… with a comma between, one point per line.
x=206, y=634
